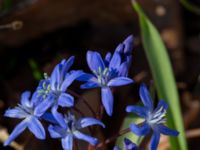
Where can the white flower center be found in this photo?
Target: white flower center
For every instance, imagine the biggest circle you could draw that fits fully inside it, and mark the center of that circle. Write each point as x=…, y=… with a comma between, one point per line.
x=157, y=117
x=104, y=76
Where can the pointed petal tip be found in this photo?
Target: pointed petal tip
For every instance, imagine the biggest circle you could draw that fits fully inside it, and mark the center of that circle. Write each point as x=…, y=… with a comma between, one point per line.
x=128, y=108
x=109, y=112
x=130, y=38
x=107, y=100
x=145, y=97
x=94, y=60
x=6, y=143
x=167, y=131
x=72, y=57
x=120, y=81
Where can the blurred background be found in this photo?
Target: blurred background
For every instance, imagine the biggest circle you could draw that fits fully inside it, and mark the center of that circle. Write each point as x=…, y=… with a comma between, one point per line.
x=36, y=34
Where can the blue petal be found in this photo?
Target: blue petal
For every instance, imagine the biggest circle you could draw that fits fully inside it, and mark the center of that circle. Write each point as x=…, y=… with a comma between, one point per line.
x=123, y=69
x=49, y=117
x=44, y=105
x=85, y=137
x=145, y=97
x=65, y=100
x=166, y=131
x=115, y=61
x=108, y=57
x=70, y=78
x=95, y=61
x=128, y=60
x=16, y=132
x=129, y=145
x=35, y=100
x=119, y=48
x=36, y=128
x=116, y=148
x=58, y=116
x=85, y=122
x=66, y=65
x=55, y=77
x=53, y=132
x=119, y=81
x=107, y=100
x=89, y=85
x=67, y=142
x=154, y=141
x=15, y=113
x=128, y=42
x=85, y=77
x=140, y=111
x=162, y=104
x=25, y=99
x=140, y=130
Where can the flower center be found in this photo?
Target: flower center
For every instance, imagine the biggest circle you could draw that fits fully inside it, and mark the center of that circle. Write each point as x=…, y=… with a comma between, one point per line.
x=45, y=90
x=157, y=117
x=103, y=76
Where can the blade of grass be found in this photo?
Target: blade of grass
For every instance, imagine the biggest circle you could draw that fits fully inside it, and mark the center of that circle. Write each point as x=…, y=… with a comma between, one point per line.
x=190, y=7
x=163, y=76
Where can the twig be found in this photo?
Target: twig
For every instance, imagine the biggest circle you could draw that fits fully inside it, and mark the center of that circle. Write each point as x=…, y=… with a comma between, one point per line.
x=4, y=135
x=83, y=99
x=80, y=112
x=113, y=137
x=140, y=76
x=15, y=25
x=82, y=115
x=193, y=133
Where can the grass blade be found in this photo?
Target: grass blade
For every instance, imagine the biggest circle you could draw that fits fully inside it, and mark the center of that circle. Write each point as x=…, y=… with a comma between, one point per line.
x=163, y=76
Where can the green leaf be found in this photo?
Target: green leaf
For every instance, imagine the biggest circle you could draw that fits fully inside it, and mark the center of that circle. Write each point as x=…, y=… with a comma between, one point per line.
x=161, y=69
x=134, y=138
x=35, y=70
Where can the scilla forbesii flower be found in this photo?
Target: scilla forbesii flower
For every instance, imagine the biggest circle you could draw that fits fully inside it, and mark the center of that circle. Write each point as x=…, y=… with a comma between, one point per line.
x=71, y=130
x=154, y=118
x=128, y=145
x=110, y=72
x=25, y=111
x=52, y=90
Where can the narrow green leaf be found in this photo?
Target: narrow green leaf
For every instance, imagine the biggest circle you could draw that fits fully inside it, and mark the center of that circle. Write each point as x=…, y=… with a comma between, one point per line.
x=192, y=8
x=163, y=76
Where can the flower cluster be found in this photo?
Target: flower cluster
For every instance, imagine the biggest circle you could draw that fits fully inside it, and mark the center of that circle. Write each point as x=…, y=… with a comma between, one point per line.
x=107, y=73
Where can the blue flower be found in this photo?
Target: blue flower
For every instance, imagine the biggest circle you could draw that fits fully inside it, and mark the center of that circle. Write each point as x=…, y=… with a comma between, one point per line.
x=125, y=51
x=154, y=118
x=26, y=111
x=52, y=90
x=128, y=145
x=71, y=130
x=110, y=72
